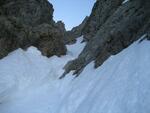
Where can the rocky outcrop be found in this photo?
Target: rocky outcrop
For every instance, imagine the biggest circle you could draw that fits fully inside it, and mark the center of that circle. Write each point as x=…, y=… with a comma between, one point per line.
x=70, y=36
x=29, y=12
x=25, y=23
x=125, y=24
x=49, y=40
x=101, y=11
x=61, y=26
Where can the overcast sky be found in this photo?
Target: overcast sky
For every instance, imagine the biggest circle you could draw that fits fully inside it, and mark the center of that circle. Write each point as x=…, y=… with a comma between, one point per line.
x=71, y=12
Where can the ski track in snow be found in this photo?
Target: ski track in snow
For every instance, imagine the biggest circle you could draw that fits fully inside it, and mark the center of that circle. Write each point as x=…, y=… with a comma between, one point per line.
x=29, y=83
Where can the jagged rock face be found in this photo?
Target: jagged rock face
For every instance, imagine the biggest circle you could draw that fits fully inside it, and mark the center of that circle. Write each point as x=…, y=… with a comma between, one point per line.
x=30, y=12
x=61, y=26
x=126, y=24
x=70, y=36
x=25, y=23
x=49, y=40
x=101, y=11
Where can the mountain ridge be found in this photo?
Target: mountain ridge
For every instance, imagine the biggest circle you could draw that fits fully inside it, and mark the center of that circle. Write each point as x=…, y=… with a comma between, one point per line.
x=127, y=24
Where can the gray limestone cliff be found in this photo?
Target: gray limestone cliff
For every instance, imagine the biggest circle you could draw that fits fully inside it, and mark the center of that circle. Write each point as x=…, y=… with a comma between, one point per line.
x=112, y=27
x=25, y=23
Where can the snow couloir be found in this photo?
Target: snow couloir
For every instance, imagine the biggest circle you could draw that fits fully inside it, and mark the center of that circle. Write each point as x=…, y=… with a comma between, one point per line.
x=29, y=83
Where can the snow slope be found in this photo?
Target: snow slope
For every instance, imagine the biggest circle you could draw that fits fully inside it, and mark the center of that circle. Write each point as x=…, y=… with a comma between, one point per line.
x=29, y=83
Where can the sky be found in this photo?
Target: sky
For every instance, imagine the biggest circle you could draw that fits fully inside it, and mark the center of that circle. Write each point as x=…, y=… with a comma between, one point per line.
x=71, y=12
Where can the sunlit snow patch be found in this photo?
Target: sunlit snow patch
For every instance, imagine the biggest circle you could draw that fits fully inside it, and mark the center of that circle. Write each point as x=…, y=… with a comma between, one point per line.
x=121, y=85
x=22, y=70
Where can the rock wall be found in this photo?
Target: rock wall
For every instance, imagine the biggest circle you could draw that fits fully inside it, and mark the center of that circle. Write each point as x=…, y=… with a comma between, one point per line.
x=25, y=23
x=118, y=26
x=101, y=11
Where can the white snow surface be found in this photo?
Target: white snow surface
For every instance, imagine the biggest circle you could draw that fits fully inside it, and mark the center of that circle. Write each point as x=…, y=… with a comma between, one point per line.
x=29, y=83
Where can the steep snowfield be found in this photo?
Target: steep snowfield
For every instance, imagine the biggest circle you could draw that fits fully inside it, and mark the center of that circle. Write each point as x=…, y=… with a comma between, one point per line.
x=29, y=83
